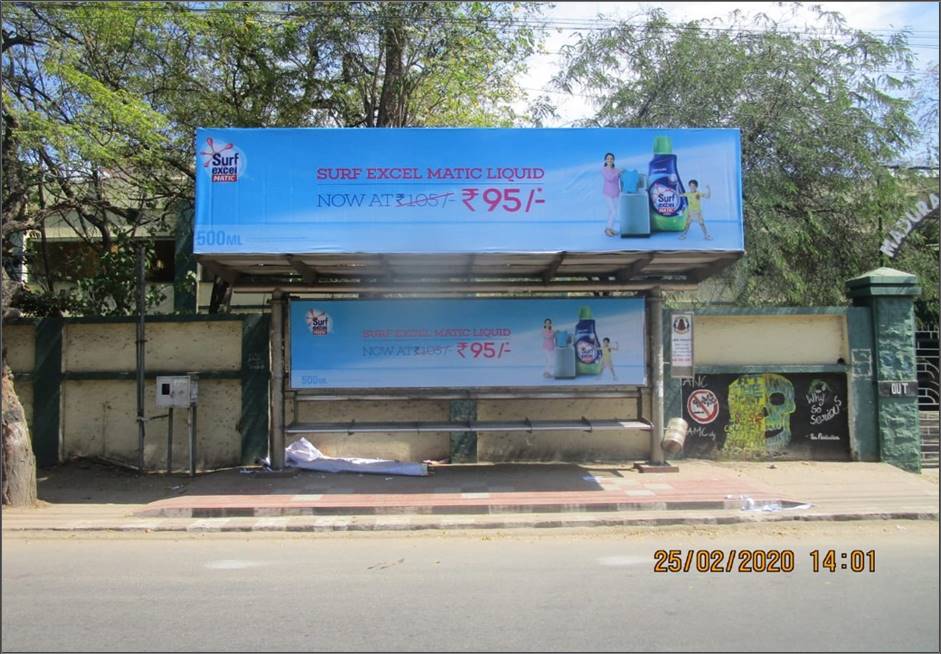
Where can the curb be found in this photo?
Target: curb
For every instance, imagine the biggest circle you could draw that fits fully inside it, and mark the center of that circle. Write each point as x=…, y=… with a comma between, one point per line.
x=532, y=521
x=464, y=508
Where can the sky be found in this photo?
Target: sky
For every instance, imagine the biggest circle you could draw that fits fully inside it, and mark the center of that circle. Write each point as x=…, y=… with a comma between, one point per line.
x=575, y=17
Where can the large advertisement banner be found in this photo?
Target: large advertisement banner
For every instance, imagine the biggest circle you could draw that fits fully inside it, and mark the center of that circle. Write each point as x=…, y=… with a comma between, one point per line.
x=467, y=343
x=422, y=191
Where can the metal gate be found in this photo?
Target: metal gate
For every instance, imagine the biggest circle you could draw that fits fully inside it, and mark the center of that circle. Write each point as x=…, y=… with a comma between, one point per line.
x=926, y=352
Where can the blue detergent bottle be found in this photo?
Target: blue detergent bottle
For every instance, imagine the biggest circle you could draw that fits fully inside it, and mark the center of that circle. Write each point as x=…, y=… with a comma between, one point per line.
x=665, y=189
x=587, y=345
x=564, y=356
x=634, y=205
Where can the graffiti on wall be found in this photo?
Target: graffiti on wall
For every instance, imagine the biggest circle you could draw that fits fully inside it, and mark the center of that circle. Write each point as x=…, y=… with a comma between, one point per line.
x=800, y=416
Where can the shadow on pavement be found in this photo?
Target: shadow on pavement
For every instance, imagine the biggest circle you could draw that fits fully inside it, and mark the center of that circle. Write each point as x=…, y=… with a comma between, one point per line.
x=96, y=482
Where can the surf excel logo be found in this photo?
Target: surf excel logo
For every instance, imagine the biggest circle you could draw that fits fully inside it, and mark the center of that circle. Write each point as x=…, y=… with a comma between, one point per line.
x=318, y=322
x=224, y=162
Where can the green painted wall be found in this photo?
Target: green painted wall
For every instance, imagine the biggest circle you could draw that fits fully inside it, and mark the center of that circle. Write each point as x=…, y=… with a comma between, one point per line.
x=889, y=295
x=864, y=434
x=47, y=391
x=253, y=423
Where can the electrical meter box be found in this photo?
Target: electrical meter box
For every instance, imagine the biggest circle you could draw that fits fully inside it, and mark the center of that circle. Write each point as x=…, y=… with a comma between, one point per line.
x=176, y=391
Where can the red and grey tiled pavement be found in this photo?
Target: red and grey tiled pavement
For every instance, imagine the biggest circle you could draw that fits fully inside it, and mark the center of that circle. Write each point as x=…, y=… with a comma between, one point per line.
x=496, y=497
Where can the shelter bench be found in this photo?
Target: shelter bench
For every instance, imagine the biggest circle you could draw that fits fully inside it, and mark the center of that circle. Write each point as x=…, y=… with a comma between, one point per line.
x=529, y=426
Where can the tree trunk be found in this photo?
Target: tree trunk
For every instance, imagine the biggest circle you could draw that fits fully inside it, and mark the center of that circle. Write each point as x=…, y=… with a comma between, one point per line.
x=19, y=464
x=389, y=105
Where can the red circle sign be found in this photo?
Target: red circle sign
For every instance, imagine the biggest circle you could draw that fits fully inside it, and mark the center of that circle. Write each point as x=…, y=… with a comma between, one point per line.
x=702, y=406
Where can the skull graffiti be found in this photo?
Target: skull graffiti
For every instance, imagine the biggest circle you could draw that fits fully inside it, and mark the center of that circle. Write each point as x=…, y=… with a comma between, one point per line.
x=760, y=408
x=779, y=405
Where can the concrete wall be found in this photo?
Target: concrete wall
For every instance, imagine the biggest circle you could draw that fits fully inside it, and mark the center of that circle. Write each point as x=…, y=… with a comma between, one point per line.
x=99, y=419
x=98, y=405
x=560, y=445
x=20, y=343
x=171, y=346
x=399, y=446
x=770, y=339
x=491, y=446
x=89, y=388
x=99, y=415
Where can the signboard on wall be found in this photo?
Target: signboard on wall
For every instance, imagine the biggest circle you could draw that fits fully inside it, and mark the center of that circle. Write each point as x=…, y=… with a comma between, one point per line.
x=294, y=191
x=681, y=345
x=795, y=416
x=463, y=343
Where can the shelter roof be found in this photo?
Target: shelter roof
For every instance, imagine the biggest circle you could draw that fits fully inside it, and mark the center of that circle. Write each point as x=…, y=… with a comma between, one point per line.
x=462, y=273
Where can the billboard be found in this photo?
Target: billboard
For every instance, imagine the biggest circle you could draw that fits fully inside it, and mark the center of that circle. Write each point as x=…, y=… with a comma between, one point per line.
x=467, y=343
x=467, y=190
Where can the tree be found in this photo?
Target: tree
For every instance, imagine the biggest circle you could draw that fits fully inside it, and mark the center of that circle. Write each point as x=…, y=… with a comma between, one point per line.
x=17, y=462
x=822, y=112
x=101, y=99
x=80, y=143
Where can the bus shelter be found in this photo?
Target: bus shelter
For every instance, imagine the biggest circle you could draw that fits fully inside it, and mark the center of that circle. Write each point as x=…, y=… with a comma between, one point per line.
x=467, y=263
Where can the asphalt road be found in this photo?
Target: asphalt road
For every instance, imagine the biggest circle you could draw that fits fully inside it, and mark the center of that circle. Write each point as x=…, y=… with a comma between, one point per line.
x=546, y=591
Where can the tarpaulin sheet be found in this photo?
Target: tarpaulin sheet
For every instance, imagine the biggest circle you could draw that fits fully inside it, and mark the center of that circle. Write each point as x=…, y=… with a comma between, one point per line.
x=303, y=454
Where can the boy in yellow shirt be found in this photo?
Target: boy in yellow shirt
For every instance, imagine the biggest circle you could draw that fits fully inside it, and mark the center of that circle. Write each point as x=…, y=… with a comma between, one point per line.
x=694, y=208
x=607, y=360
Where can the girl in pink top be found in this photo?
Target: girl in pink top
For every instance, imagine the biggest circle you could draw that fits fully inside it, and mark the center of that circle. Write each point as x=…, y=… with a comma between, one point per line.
x=548, y=347
x=611, y=190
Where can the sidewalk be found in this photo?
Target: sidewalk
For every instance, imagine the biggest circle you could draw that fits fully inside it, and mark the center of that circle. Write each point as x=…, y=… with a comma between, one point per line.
x=92, y=497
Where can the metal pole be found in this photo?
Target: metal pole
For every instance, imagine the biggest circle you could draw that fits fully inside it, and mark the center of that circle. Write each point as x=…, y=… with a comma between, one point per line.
x=194, y=379
x=276, y=449
x=655, y=336
x=140, y=357
x=170, y=440
x=192, y=440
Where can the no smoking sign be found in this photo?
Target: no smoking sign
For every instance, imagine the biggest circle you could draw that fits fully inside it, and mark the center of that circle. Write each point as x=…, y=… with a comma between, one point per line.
x=702, y=406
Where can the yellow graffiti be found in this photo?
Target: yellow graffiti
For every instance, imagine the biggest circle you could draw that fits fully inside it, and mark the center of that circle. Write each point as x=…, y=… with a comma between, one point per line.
x=759, y=404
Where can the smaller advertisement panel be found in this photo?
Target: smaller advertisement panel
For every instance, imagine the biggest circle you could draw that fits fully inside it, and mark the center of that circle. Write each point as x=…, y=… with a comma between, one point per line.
x=467, y=343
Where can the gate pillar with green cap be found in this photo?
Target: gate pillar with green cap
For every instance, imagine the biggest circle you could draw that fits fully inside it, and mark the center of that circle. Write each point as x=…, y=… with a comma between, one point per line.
x=889, y=294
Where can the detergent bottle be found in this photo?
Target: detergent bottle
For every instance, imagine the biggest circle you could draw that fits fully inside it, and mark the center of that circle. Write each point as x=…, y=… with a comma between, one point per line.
x=665, y=189
x=564, y=356
x=587, y=345
x=634, y=205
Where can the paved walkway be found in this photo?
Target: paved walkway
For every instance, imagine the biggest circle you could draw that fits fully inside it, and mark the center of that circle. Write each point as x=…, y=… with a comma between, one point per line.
x=486, y=496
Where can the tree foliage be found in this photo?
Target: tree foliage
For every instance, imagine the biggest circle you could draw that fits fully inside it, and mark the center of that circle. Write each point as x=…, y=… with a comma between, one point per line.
x=822, y=112
x=101, y=99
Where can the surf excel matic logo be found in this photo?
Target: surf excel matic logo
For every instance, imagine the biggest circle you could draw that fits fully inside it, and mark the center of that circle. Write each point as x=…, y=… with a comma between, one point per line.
x=224, y=162
x=318, y=322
